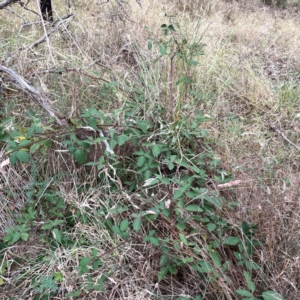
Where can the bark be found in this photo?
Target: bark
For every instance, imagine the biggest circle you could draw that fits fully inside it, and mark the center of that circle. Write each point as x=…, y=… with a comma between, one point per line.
x=5, y=3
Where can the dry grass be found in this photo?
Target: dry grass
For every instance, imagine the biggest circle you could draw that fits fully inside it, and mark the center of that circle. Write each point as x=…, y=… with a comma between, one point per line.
x=249, y=80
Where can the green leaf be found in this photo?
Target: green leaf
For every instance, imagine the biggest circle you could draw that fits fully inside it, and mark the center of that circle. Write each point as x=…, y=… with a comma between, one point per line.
x=96, y=264
x=232, y=241
x=213, y=200
x=194, y=207
x=177, y=194
x=170, y=166
x=122, y=139
x=162, y=273
x=57, y=222
x=84, y=261
x=124, y=225
x=163, y=259
x=250, y=283
x=56, y=234
x=156, y=150
x=12, y=144
x=149, y=45
x=47, y=226
x=58, y=276
x=244, y=293
x=93, y=123
x=162, y=49
x=215, y=257
x=143, y=125
x=154, y=241
x=23, y=143
x=202, y=267
x=34, y=147
x=80, y=156
x=270, y=295
x=113, y=143
x=165, y=180
x=24, y=236
x=140, y=161
x=13, y=158
x=15, y=237
x=137, y=223
x=183, y=238
x=211, y=227
x=22, y=156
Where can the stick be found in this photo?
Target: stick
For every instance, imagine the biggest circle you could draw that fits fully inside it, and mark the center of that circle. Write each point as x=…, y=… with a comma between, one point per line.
x=283, y=136
x=47, y=34
x=35, y=94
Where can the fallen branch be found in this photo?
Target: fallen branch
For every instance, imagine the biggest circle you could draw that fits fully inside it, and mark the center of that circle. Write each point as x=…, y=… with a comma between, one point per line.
x=283, y=136
x=34, y=93
x=56, y=25
x=5, y=3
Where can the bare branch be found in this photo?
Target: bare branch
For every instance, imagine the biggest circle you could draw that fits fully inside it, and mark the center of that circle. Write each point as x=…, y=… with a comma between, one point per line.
x=5, y=3
x=34, y=93
x=56, y=24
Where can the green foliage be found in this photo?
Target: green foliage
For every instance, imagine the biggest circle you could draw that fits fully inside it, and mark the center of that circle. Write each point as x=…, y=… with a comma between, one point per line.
x=16, y=233
x=169, y=165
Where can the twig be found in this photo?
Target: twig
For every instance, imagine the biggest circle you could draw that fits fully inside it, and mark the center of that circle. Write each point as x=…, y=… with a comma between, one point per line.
x=283, y=136
x=5, y=3
x=57, y=25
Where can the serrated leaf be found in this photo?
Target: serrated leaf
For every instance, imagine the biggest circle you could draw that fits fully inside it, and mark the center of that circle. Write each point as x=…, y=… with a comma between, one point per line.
x=156, y=150
x=215, y=257
x=12, y=144
x=84, y=261
x=171, y=166
x=194, y=208
x=93, y=123
x=124, y=225
x=23, y=143
x=211, y=227
x=270, y=295
x=142, y=125
x=154, y=241
x=232, y=241
x=177, y=194
x=13, y=158
x=47, y=226
x=96, y=264
x=122, y=139
x=250, y=283
x=24, y=236
x=34, y=147
x=213, y=200
x=80, y=156
x=56, y=234
x=112, y=143
x=22, y=156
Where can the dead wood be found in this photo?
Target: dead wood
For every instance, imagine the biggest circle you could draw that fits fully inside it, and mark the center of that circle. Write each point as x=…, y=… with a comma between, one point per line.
x=56, y=25
x=34, y=93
